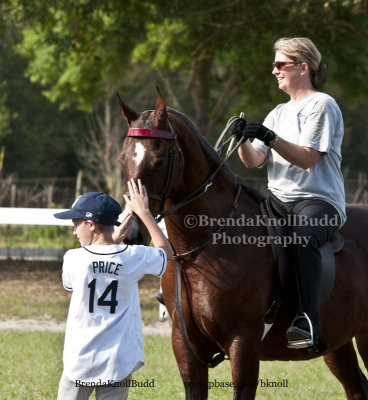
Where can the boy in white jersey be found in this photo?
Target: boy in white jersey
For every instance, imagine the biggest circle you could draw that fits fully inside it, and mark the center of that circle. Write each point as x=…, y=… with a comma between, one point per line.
x=104, y=338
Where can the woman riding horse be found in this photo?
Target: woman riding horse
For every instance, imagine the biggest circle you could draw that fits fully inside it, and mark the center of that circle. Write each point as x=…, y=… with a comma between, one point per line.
x=301, y=143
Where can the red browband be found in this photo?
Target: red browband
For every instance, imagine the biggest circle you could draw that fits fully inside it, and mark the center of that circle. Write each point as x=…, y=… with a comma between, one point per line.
x=150, y=133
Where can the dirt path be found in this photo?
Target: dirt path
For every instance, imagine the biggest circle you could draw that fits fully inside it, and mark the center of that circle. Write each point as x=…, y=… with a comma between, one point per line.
x=37, y=282
x=156, y=328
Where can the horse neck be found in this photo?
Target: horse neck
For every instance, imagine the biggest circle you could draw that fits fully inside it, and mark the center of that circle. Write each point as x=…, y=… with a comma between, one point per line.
x=200, y=161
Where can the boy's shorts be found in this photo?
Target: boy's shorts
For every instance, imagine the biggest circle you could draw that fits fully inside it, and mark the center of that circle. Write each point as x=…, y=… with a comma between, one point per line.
x=68, y=390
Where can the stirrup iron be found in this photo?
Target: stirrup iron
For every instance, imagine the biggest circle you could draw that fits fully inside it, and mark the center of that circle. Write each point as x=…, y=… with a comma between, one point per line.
x=300, y=344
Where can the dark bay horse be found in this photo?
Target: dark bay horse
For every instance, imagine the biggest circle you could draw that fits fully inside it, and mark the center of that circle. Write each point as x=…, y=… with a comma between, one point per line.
x=228, y=285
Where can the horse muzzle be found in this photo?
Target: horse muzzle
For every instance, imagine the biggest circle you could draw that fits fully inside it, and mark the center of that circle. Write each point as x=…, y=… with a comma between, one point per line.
x=136, y=231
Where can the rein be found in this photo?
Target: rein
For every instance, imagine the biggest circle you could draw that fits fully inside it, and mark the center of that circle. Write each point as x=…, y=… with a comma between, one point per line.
x=195, y=194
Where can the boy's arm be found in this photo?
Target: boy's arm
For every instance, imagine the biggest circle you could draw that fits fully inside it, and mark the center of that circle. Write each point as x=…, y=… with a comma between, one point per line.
x=138, y=203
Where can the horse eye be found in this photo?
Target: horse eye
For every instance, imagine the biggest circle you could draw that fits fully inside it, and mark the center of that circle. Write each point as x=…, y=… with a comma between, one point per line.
x=156, y=145
x=160, y=161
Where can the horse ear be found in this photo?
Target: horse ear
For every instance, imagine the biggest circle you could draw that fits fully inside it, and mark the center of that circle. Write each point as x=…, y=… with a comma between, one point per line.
x=161, y=115
x=129, y=114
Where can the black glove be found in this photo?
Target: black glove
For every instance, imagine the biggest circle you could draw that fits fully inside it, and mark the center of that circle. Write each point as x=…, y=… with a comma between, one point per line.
x=259, y=131
x=237, y=128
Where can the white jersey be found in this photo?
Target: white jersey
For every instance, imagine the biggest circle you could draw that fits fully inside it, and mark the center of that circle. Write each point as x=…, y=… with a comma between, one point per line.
x=104, y=337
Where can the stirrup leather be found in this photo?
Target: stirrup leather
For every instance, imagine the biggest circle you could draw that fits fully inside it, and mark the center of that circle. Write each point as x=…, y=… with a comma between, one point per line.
x=302, y=343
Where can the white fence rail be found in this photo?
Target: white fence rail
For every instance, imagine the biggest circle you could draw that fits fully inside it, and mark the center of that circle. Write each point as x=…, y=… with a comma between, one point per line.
x=31, y=216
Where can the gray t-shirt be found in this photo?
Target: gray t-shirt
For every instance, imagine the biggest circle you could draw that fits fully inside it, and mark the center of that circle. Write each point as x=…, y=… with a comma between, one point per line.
x=314, y=122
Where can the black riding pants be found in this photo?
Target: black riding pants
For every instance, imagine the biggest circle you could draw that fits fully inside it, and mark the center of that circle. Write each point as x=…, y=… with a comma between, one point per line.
x=309, y=221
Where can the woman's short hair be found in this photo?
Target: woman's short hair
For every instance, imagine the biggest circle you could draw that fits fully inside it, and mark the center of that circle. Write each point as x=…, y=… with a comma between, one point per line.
x=304, y=50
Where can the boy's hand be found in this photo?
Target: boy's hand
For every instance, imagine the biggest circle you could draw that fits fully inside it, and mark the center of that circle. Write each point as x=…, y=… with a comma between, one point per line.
x=138, y=201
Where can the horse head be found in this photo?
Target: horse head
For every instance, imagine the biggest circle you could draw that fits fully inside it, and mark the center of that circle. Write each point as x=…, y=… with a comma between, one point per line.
x=150, y=153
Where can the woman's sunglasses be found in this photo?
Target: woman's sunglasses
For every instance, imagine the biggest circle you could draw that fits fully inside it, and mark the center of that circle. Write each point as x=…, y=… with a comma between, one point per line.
x=280, y=65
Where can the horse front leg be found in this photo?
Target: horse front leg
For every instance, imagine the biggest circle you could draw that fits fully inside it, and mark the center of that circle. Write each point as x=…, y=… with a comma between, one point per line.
x=244, y=360
x=193, y=373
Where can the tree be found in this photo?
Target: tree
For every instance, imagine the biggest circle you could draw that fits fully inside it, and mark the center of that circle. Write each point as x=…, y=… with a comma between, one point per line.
x=213, y=58
x=220, y=53
x=36, y=139
x=78, y=48
x=99, y=150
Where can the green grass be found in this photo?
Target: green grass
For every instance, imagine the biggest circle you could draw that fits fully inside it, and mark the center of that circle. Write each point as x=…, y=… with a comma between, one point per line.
x=37, y=237
x=32, y=290
x=31, y=367
x=31, y=361
x=31, y=364
x=22, y=306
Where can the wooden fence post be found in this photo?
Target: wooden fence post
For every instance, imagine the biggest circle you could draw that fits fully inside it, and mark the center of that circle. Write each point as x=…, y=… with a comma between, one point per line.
x=13, y=194
x=50, y=190
x=78, y=184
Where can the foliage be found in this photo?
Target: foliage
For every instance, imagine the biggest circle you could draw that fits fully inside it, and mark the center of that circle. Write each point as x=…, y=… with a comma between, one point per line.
x=212, y=59
x=77, y=47
x=216, y=49
x=39, y=140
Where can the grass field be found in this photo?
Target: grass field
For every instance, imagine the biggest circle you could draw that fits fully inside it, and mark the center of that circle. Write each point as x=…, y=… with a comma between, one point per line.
x=31, y=361
x=37, y=237
x=31, y=367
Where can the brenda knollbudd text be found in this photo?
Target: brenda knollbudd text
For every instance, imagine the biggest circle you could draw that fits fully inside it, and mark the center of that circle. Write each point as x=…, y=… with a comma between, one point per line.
x=260, y=241
x=110, y=383
x=193, y=221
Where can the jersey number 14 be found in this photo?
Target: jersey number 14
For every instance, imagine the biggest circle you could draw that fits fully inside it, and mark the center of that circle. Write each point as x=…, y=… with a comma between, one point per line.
x=112, y=303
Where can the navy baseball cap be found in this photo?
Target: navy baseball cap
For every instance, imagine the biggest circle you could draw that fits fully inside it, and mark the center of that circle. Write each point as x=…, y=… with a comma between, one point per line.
x=94, y=206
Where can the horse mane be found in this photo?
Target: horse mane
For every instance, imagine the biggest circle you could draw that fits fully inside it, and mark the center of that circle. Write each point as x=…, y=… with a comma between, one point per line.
x=210, y=151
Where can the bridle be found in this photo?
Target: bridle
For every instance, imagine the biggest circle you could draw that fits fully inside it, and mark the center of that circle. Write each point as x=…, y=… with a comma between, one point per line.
x=196, y=193
x=160, y=134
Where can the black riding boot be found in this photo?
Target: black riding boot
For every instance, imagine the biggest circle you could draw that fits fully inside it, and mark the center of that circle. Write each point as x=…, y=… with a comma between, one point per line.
x=305, y=331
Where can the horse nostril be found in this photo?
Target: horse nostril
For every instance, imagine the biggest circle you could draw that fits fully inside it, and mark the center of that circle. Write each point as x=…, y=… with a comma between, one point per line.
x=137, y=239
